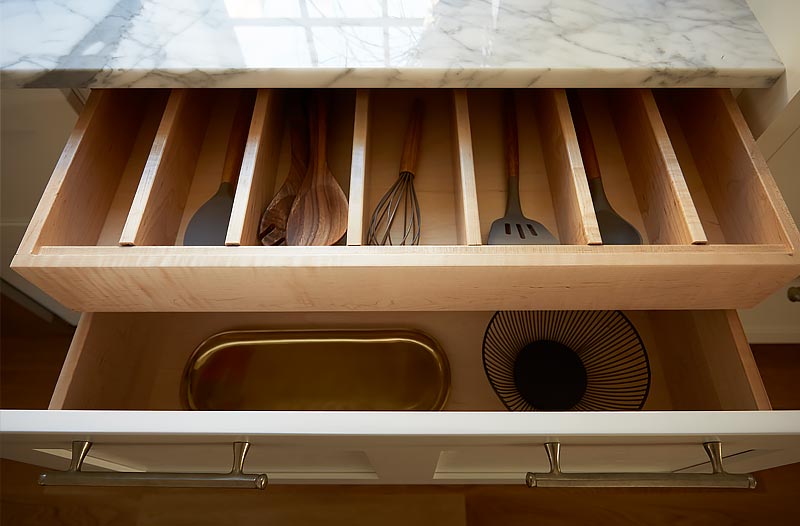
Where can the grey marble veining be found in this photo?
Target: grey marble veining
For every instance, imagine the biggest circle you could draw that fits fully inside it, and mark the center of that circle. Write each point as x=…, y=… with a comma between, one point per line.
x=383, y=43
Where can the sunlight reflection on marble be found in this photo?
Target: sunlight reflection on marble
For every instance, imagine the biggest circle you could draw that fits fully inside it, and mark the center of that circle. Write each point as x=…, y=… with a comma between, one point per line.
x=382, y=43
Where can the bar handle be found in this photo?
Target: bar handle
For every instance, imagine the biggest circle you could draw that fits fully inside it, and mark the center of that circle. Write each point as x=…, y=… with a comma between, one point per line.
x=234, y=479
x=718, y=478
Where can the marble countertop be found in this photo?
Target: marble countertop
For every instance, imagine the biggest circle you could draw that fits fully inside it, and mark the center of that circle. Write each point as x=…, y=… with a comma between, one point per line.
x=383, y=43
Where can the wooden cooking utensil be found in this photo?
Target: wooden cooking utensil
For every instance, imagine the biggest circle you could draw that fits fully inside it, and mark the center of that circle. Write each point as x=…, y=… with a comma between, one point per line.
x=209, y=225
x=319, y=212
x=514, y=228
x=614, y=230
x=272, y=229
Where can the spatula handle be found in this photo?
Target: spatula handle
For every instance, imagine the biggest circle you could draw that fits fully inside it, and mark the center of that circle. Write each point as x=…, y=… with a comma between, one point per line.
x=585, y=142
x=238, y=137
x=408, y=160
x=511, y=135
x=511, y=138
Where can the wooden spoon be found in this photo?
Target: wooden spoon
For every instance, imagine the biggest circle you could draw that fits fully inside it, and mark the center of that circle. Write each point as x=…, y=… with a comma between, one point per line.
x=319, y=212
x=272, y=229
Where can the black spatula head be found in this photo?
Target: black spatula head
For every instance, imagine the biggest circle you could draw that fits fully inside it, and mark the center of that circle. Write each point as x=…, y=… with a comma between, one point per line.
x=514, y=228
x=510, y=230
x=209, y=226
x=613, y=228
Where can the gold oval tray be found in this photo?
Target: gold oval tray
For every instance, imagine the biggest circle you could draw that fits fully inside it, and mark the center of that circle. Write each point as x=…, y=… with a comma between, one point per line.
x=317, y=370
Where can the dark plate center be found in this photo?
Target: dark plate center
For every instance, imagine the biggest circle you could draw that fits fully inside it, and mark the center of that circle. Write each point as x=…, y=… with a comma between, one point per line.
x=550, y=376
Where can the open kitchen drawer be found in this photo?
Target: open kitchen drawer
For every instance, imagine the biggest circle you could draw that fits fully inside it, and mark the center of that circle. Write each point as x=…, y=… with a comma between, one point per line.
x=680, y=165
x=120, y=388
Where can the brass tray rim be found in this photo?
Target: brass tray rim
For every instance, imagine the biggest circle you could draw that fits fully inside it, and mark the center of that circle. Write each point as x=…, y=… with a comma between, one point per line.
x=431, y=344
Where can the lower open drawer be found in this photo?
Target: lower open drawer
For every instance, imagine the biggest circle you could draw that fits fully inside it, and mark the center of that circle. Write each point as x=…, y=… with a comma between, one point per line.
x=120, y=388
x=680, y=165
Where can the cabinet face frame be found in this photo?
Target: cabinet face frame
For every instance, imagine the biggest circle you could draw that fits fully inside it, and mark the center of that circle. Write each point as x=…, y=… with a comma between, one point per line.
x=85, y=269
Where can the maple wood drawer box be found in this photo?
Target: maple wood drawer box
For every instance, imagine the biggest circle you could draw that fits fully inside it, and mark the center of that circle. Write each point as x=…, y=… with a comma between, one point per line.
x=680, y=165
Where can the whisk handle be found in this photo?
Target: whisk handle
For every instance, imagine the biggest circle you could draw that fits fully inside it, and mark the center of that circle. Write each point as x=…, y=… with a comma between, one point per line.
x=408, y=160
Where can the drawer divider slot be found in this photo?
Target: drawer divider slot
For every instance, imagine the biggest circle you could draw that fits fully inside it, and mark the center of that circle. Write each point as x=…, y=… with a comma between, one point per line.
x=468, y=227
x=572, y=202
x=729, y=174
x=155, y=215
x=358, y=210
x=259, y=168
x=667, y=208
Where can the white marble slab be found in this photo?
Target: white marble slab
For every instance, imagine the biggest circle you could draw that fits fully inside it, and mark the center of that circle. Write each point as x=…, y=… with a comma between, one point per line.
x=383, y=43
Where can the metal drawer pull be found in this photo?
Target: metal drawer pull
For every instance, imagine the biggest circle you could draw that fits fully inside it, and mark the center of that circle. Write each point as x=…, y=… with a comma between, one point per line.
x=75, y=477
x=718, y=478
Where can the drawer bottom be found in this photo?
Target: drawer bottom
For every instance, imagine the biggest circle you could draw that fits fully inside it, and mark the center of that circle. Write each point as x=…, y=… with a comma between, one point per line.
x=699, y=360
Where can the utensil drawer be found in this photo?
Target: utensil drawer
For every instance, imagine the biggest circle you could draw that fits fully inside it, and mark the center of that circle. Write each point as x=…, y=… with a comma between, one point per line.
x=680, y=165
x=120, y=388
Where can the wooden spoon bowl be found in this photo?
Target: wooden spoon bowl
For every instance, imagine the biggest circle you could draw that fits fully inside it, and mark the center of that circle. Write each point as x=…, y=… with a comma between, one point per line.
x=319, y=212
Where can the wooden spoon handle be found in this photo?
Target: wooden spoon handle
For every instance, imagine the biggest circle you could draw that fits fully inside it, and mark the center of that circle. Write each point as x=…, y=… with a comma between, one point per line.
x=408, y=160
x=319, y=132
x=510, y=135
x=585, y=142
x=238, y=137
x=298, y=135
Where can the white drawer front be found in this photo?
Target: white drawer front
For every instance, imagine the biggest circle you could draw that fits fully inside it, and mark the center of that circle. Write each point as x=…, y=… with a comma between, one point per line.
x=402, y=447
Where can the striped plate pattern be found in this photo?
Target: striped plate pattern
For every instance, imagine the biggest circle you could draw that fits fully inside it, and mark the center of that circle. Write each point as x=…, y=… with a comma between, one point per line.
x=617, y=368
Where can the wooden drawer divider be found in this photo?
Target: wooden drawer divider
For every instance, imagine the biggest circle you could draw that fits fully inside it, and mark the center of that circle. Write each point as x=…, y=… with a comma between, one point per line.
x=156, y=211
x=570, y=191
x=256, y=183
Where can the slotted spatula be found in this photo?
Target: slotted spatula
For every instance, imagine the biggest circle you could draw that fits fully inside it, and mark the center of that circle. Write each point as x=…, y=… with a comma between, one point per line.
x=514, y=228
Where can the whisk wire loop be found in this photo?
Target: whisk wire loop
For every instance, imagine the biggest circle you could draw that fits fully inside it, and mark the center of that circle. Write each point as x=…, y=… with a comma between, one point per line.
x=401, y=195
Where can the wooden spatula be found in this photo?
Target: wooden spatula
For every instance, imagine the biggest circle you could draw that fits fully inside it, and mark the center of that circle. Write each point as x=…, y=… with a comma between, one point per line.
x=319, y=212
x=272, y=230
x=209, y=225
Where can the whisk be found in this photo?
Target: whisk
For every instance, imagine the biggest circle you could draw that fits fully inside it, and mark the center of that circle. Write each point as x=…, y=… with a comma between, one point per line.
x=401, y=198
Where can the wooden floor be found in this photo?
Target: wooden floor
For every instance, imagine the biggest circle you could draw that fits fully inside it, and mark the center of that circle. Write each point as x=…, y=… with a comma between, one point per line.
x=31, y=354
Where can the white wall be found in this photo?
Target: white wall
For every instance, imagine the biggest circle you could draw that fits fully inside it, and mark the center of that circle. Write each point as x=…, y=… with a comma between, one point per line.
x=766, y=109
x=774, y=116
x=777, y=320
x=34, y=126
